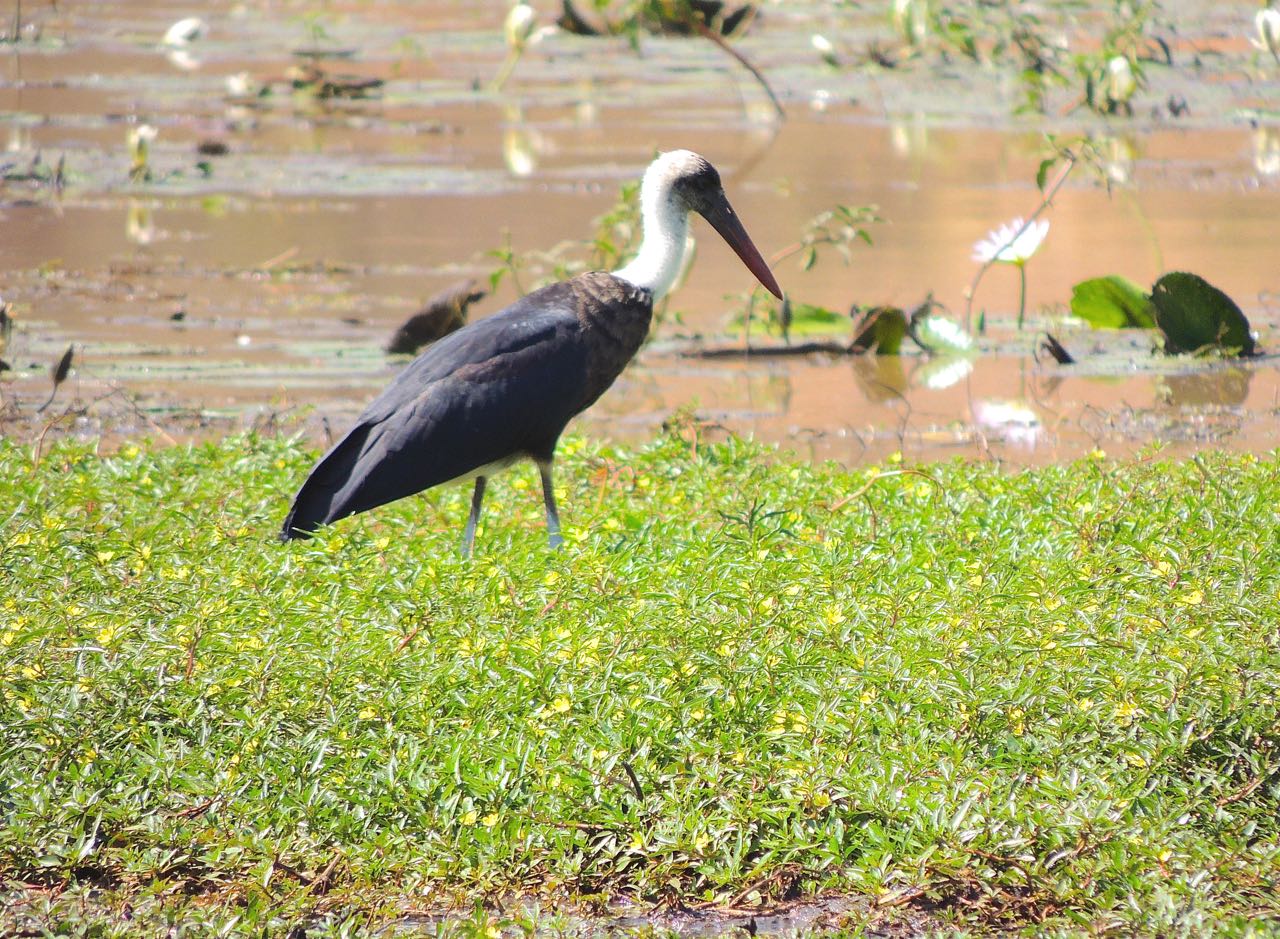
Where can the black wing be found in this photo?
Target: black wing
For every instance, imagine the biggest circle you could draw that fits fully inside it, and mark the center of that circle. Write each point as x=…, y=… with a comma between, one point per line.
x=494, y=390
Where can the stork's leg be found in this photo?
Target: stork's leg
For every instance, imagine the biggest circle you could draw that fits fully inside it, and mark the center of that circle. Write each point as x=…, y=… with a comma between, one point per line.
x=469, y=535
x=549, y=497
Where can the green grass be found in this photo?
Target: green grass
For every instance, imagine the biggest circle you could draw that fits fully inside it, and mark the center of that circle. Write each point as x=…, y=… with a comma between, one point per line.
x=1003, y=698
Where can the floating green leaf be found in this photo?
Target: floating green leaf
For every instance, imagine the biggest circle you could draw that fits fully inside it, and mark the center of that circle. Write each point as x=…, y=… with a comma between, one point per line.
x=1194, y=315
x=881, y=328
x=1112, y=303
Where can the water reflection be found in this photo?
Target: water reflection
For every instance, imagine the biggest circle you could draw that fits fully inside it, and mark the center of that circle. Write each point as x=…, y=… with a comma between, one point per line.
x=940, y=373
x=1118, y=155
x=1225, y=387
x=909, y=137
x=1008, y=421
x=139, y=227
x=880, y=378
x=1266, y=151
x=522, y=144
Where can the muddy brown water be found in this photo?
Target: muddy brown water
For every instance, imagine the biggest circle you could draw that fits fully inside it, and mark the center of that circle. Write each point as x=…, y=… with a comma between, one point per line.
x=266, y=290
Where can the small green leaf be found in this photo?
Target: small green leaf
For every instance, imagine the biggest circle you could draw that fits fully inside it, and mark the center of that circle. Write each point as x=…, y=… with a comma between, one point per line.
x=1042, y=174
x=1194, y=315
x=1112, y=303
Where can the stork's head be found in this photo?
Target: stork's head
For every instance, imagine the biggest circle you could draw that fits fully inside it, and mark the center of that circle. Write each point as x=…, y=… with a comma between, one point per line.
x=686, y=182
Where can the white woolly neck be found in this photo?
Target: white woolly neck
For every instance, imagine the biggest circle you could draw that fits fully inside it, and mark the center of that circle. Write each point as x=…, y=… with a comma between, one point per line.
x=665, y=222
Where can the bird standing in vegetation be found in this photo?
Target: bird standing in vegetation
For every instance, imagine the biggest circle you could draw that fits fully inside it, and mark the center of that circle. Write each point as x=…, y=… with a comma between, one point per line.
x=505, y=387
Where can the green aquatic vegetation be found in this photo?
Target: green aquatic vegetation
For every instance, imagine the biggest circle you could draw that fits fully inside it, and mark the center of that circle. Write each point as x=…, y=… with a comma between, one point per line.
x=1190, y=314
x=1009, y=698
x=1194, y=316
x=1112, y=302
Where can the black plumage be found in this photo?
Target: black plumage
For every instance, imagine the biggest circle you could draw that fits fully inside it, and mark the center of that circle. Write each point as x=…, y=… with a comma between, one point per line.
x=499, y=389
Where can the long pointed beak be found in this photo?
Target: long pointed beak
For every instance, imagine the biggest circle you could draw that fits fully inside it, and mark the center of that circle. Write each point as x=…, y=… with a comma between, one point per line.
x=722, y=218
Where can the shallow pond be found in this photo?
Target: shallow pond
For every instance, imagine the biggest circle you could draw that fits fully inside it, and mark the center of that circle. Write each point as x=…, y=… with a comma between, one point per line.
x=263, y=286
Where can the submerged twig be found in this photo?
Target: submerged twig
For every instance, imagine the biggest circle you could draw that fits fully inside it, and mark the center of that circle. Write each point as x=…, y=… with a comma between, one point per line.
x=1049, y=193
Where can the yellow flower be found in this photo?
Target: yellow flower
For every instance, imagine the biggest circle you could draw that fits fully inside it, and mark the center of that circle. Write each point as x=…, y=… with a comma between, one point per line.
x=368, y=713
x=108, y=633
x=1192, y=597
x=821, y=800
x=600, y=753
x=561, y=704
x=868, y=696
x=489, y=820
x=469, y=818
x=697, y=714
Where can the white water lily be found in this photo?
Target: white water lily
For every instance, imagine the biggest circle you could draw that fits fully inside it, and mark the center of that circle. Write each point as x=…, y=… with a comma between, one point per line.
x=185, y=31
x=910, y=19
x=1014, y=243
x=1011, y=243
x=519, y=30
x=241, y=85
x=1267, y=22
x=824, y=47
x=519, y=24
x=1120, y=82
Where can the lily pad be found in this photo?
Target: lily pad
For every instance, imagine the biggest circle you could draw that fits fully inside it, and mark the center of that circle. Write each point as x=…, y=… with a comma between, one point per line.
x=1194, y=315
x=1112, y=303
x=881, y=328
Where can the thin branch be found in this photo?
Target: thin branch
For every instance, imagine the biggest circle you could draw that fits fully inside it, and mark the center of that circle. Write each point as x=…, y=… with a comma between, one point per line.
x=1049, y=193
x=704, y=31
